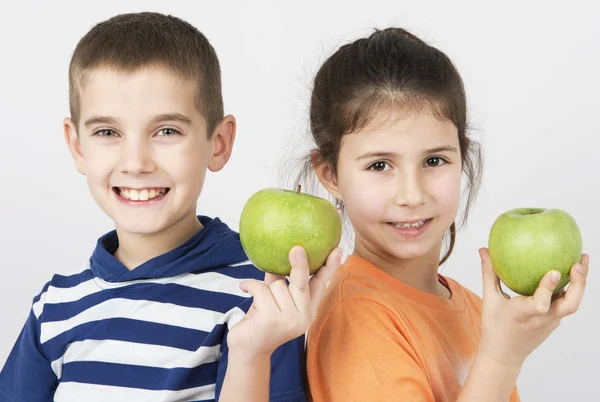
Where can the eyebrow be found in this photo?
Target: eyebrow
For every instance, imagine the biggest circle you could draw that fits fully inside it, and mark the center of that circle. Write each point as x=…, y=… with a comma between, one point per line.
x=391, y=155
x=445, y=148
x=369, y=155
x=157, y=119
x=100, y=120
x=172, y=117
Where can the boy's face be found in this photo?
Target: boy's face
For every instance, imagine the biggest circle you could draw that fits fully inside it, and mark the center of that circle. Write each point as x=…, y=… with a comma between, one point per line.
x=143, y=147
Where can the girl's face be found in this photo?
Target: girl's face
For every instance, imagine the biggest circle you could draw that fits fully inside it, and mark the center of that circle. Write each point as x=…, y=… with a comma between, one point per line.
x=400, y=181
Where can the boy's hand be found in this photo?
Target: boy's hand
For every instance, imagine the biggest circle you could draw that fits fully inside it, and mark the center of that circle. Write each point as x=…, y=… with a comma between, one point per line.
x=513, y=328
x=280, y=313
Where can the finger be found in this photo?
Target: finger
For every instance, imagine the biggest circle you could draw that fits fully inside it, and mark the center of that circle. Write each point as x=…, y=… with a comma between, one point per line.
x=319, y=281
x=539, y=303
x=282, y=296
x=491, y=282
x=504, y=294
x=571, y=301
x=263, y=299
x=585, y=260
x=271, y=278
x=299, y=278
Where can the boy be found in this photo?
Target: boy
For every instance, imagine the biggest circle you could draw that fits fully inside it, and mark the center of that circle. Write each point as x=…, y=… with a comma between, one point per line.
x=158, y=312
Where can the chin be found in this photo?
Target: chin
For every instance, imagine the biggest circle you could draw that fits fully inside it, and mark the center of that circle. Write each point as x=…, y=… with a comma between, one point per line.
x=409, y=254
x=411, y=250
x=145, y=228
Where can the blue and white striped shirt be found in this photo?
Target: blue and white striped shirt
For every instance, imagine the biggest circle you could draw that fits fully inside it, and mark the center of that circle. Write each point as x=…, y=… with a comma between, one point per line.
x=155, y=333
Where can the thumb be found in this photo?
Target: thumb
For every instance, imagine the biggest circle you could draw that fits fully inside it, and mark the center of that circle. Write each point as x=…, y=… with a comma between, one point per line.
x=491, y=282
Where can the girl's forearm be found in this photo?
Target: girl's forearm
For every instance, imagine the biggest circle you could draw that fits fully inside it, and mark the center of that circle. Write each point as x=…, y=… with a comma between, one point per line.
x=246, y=381
x=489, y=380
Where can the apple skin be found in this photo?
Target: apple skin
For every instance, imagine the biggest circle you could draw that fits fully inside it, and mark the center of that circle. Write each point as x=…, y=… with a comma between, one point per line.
x=526, y=243
x=275, y=220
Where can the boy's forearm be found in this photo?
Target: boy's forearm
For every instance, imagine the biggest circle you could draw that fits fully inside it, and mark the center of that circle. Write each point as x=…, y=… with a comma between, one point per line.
x=489, y=381
x=246, y=380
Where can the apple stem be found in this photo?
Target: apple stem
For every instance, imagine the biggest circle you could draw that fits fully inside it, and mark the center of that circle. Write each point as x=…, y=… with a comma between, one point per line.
x=298, y=189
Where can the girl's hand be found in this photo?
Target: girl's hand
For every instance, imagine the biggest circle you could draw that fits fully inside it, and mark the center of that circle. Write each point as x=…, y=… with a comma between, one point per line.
x=280, y=313
x=513, y=328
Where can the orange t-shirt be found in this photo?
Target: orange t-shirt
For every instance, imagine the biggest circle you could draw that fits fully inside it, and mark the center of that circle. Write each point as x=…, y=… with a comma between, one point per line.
x=377, y=339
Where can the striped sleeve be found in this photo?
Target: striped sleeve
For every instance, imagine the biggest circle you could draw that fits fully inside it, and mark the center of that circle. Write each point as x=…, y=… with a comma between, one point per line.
x=27, y=374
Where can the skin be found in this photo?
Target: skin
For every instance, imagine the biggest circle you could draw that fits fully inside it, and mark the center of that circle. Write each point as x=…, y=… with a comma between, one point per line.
x=142, y=130
x=398, y=170
x=388, y=173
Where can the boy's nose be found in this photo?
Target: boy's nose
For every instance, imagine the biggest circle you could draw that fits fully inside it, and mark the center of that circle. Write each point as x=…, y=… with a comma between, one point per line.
x=136, y=158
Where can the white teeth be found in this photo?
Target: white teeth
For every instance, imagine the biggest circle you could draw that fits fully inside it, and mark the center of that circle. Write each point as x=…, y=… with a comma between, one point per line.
x=409, y=225
x=141, y=195
x=134, y=195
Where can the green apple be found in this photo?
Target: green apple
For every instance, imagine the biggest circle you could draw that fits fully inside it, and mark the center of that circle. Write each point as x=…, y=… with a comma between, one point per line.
x=526, y=243
x=275, y=220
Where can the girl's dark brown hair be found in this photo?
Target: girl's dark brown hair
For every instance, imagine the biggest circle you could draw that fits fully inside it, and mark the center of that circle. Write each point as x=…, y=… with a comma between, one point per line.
x=376, y=76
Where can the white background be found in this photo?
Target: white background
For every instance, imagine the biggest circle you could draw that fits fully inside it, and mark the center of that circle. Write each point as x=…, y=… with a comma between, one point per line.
x=532, y=78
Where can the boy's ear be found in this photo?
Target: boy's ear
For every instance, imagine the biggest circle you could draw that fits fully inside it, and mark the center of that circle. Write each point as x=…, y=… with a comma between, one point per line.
x=222, y=141
x=325, y=173
x=72, y=140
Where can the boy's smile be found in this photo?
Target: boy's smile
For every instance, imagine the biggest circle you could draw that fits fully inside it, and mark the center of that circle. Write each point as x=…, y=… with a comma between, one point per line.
x=146, y=194
x=142, y=144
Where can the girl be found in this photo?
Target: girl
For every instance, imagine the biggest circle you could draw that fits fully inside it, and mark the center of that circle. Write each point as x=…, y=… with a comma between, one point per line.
x=388, y=115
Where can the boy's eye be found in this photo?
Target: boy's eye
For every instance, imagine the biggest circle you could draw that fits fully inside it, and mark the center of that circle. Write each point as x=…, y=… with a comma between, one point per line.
x=106, y=133
x=166, y=132
x=378, y=166
x=435, y=161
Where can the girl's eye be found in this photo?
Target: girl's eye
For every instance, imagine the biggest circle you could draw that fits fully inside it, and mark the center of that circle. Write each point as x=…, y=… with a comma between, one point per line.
x=107, y=133
x=379, y=166
x=435, y=161
x=167, y=132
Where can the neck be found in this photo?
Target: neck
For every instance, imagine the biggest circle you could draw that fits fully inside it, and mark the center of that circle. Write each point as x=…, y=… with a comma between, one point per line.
x=135, y=249
x=420, y=273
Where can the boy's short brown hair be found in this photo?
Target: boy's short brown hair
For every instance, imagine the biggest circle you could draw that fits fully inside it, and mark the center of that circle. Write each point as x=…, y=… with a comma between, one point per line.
x=128, y=42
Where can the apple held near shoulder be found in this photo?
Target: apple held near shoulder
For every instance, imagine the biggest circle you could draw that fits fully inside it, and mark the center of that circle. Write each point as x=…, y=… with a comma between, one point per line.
x=275, y=220
x=526, y=243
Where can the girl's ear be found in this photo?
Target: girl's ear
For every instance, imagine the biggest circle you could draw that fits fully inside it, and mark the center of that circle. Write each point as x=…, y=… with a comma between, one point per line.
x=325, y=173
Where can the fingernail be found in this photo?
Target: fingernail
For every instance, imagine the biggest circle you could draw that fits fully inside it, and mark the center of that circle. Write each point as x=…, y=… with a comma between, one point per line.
x=298, y=253
x=555, y=276
x=580, y=268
